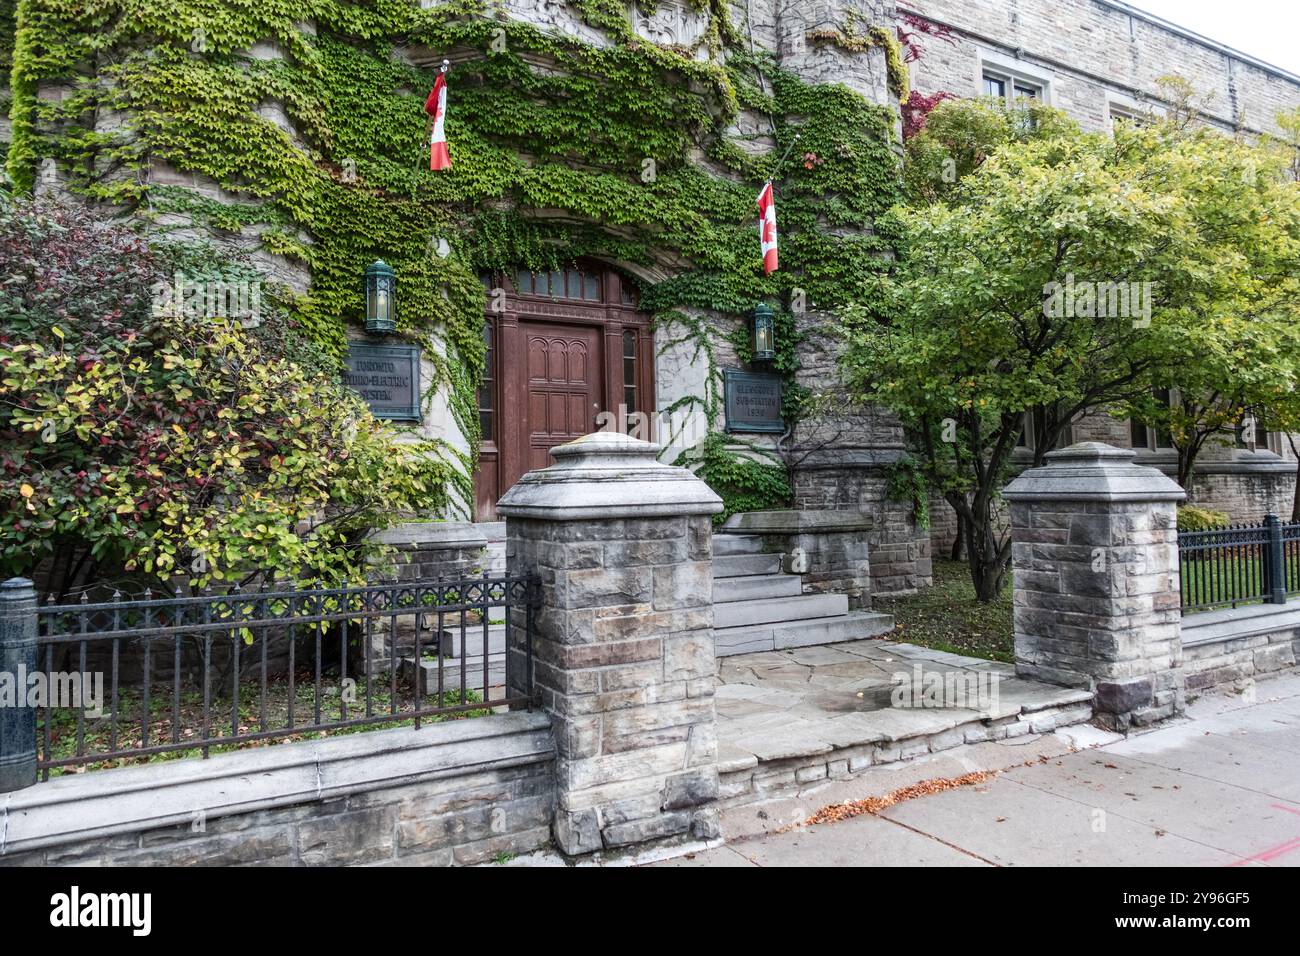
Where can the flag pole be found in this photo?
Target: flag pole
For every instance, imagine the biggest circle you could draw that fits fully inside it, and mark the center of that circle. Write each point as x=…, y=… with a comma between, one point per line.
x=784, y=156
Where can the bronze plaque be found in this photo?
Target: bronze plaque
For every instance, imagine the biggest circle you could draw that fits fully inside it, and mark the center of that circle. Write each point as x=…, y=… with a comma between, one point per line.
x=753, y=401
x=387, y=377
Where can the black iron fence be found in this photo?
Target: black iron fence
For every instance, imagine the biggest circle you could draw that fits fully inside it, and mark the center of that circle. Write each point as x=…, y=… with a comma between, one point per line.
x=1242, y=564
x=130, y=679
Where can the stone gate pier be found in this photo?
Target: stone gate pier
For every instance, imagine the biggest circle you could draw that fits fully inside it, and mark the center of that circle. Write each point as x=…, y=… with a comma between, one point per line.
x=623, y=646
x=1096, y=596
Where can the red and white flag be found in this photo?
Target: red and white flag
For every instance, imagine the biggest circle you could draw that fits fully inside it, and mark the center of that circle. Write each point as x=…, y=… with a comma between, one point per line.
x=436, y=106
x=767, y=228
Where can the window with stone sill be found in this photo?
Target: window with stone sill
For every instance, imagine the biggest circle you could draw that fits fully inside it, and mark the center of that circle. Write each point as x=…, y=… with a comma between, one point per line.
x=1146, y=437
x=1119, y=115
x=1004, y=86
x=1248, y=436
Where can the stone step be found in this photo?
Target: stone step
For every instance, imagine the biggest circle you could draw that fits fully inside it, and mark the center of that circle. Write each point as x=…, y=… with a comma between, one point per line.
x=451, y=673
x=474, y=639
x=767, y=755
x=773, y=610
x=727, y=544
x=800, y=633
x=739, y=565
x=756, y=587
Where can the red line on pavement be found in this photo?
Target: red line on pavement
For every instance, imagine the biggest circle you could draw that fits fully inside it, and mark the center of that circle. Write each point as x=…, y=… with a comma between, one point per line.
x=1266, y=855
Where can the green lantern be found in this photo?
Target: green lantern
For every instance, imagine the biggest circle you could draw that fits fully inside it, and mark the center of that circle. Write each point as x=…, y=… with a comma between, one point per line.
x=381, y=298
x=764, y=333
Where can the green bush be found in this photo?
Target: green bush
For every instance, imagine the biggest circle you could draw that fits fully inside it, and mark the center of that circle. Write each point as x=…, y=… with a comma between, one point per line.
x=141, y=441
x=1192, y=518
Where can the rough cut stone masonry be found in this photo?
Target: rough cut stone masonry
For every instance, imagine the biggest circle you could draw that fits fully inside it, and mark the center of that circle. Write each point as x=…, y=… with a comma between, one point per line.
x=1095, y=589
x=451, y=793
x=623, y=652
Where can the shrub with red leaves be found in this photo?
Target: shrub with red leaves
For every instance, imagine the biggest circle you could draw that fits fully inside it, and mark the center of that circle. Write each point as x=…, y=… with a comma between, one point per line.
x=917, y=108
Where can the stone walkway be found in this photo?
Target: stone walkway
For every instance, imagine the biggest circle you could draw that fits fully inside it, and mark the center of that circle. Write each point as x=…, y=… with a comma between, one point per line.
x=1219, y=788
x=792, y=717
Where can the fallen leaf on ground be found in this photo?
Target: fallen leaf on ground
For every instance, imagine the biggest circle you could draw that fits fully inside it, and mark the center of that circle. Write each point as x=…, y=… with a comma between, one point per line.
x=874, y=805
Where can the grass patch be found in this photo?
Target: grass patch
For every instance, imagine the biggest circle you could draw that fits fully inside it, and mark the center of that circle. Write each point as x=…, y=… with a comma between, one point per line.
x=948, y=617
x=99, y=732
x=1227, y=578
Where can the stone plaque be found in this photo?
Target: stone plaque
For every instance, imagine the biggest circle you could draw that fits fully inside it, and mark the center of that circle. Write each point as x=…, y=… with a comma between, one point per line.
x=387, y=377
x=753, y=401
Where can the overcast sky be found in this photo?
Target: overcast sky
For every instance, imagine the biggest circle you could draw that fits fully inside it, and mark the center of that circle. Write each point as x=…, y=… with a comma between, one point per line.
x=1266, y=29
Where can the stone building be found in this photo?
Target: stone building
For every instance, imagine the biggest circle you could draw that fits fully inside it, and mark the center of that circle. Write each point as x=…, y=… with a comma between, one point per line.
x=1100, y=61
x=592, y=341
x=570, y=347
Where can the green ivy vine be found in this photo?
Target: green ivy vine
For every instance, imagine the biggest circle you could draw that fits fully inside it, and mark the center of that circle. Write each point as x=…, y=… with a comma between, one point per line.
x=905, y=481
x=315, y=145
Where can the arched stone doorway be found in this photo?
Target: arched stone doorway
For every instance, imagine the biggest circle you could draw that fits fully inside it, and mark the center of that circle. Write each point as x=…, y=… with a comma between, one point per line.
x=562, y=347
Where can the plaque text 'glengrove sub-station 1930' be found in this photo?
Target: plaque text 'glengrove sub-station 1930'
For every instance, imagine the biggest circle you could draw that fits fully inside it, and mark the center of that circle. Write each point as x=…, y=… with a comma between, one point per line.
x=753, y=401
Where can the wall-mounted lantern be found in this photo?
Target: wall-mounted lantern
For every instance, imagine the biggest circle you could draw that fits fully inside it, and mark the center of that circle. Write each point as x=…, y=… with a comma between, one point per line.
x=764, y=333
x=381, y=298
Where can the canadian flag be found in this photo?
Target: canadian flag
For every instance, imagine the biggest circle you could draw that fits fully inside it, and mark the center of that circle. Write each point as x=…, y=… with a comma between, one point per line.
x=436, y=106
x=767, y=228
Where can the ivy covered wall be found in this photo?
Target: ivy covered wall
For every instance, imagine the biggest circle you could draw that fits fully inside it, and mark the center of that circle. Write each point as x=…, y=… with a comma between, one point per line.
x=8, y=25
x=296, y=128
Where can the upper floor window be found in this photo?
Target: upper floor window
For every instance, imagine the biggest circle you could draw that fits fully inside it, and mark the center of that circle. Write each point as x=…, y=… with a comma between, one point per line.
x=1121, y=108
x=1120, y=115
x=1008, y=88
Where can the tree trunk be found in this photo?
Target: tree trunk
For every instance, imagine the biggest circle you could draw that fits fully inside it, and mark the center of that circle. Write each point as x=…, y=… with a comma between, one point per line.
x=958, y=542
x=988, y=560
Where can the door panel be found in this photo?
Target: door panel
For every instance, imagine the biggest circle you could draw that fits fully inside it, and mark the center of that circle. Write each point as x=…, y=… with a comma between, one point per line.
x=563, y=391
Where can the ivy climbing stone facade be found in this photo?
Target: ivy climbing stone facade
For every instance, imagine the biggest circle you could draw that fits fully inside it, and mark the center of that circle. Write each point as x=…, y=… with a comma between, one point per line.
x=590, y=261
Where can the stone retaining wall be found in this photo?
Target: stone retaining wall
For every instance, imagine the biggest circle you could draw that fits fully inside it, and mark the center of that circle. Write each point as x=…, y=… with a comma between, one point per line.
x=1232, y=647
x=900, y=552
x=451, y=793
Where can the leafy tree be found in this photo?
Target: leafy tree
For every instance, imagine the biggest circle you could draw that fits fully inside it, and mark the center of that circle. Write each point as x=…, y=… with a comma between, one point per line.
x=169, y=446
x=950, y=138
x=1006, y=297
x=1281, y=411
x=1222, y=374
x=957, y=136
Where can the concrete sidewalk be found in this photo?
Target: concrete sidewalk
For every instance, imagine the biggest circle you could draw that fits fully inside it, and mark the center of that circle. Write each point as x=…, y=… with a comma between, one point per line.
x=1221, y=788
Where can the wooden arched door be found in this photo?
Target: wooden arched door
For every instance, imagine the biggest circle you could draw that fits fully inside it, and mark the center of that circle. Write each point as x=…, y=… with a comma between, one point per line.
x=562, y=347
